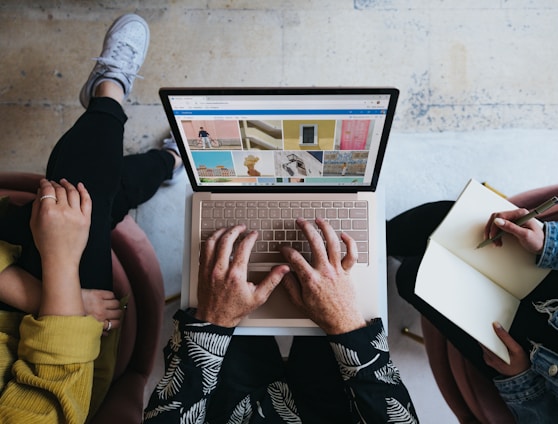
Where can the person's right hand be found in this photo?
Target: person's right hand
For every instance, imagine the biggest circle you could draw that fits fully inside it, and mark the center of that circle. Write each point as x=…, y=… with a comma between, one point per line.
x=60, y=224
x=530, y=235
x=224, y=294
x=323, y=289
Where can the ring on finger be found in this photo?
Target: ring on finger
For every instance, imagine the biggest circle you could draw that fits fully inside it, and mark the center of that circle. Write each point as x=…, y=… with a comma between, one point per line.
x=109, y=325
x=48, y=196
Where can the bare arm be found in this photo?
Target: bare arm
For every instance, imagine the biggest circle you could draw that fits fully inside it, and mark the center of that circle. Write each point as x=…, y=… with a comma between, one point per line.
x=20, y=289
x=60, y=231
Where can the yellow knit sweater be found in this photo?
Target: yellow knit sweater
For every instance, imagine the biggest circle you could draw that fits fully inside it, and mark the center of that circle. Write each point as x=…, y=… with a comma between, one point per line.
x=46, y=364
x=46, y=367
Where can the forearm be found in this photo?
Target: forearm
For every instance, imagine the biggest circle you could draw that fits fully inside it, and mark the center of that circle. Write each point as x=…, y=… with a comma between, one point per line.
x=373, y=381
x=20, y=289
x=193, y=359
x=61, y=291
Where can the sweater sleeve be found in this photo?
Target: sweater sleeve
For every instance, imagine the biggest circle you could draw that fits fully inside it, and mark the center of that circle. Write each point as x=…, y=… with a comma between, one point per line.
x=52, y=377
x=371, y=379
x=9, y=253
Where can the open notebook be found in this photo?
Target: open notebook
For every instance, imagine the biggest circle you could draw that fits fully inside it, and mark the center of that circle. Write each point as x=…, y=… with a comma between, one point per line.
x=263, y=157
x=475, y=287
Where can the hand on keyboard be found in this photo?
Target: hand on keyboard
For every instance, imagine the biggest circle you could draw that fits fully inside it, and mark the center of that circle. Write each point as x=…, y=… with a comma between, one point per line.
x=224, y=294
x=323, y=288
x=275, y=222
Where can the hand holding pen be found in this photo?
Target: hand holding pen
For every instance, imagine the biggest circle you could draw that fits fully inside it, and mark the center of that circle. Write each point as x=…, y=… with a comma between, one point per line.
x=520, y=224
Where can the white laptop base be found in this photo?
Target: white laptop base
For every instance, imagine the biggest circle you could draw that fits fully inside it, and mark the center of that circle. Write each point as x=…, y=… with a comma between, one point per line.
x=278, y=316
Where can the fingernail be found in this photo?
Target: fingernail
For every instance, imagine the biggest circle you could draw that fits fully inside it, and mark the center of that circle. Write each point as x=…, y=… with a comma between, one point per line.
x=496, y=324
x=499, y=222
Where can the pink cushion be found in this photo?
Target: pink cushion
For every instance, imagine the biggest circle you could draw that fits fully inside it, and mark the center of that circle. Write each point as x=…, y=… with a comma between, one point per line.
x=471, y=396
x=436, y=346
x=121, y=287
x=479, y=392
x=147, y=299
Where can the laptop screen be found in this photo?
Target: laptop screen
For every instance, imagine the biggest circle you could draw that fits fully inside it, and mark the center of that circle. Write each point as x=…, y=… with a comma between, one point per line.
x=283, y=139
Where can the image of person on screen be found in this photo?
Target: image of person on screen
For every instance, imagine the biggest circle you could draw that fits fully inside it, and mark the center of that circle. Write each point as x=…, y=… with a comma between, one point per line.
x=204, y=138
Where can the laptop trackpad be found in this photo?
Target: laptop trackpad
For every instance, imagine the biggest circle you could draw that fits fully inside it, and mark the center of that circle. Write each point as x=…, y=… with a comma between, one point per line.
x=278, y=305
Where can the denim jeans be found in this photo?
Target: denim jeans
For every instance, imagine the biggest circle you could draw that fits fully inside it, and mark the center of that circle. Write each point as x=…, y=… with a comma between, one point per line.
x=533, y=395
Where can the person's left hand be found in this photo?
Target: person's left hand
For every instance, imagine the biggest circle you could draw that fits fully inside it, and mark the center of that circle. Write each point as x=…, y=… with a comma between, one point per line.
x=519, y=360
x=60, y=222
x=224, y=294
x=323, y=290
x=103, y=306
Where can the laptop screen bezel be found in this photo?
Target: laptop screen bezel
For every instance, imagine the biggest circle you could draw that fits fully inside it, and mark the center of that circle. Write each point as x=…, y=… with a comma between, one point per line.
x=166, y=92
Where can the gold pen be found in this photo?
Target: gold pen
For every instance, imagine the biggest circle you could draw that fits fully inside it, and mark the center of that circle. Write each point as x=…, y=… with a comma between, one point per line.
x=535, y=212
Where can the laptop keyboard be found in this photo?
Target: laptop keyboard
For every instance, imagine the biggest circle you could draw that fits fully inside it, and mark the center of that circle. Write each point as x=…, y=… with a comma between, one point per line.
x=276, y=223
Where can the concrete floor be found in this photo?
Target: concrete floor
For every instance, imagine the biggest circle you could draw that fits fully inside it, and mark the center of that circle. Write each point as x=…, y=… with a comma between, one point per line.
x=46, y=53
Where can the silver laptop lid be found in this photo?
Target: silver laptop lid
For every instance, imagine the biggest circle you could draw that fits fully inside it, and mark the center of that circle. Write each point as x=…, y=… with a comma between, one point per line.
x=281, y=139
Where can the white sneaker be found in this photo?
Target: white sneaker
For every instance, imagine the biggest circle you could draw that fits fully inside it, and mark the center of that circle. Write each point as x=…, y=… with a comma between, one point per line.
x=124, y=50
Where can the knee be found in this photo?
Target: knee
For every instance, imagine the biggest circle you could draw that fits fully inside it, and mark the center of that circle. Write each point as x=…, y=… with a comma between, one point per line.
x=405, y=278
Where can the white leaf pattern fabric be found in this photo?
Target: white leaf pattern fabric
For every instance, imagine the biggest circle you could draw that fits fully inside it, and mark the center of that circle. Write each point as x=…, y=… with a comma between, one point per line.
x=388, y=374
x=196, y=414
x=162, y=409
x=381, y=342
x=242, y=413
x=283, y=402
x=349, y=362
x=207, y=350
x=176, y=338
x=172, y=380
x=195, y=356
x=398, y=414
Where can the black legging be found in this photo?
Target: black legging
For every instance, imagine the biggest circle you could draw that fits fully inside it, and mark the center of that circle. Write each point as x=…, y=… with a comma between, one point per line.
x=407, y=235
x=91, y=153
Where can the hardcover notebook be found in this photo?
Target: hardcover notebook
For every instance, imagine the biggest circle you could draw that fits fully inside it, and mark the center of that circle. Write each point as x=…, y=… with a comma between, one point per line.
x=475, y=287
x=264, y=156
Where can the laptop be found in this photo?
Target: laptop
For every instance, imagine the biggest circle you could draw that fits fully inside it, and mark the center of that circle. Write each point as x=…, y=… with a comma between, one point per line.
x=263, y=157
